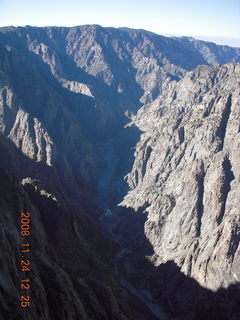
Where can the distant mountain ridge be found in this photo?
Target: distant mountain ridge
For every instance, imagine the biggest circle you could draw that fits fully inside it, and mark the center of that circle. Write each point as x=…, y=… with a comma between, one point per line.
x=121, y=57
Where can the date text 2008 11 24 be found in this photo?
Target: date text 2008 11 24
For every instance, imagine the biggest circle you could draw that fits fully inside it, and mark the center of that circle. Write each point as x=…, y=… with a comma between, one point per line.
x=25, y=260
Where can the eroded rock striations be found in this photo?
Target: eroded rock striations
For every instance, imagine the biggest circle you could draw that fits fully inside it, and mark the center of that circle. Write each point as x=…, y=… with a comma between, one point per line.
x=186, y=175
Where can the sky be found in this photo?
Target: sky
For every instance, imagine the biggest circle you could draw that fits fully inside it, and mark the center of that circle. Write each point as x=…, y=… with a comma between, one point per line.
x=211, y=20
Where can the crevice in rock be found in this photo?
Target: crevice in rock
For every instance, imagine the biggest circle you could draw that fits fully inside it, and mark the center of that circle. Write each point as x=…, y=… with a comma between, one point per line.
x=181, y=135
x=221, y=130
x=136, y=179
x=200, y=200
x=147, y=156
x=178, y=160
x=174, y=97
x=8, y=116
x=226, y=187
x=234, y=242
x=179, y=120
x=208, y=109
x=33, y=136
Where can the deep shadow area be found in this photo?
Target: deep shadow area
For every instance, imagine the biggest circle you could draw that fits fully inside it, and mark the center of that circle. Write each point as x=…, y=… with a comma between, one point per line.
x=129, y=226
x=48, y=178
x=185, y=299
x=124, y=145
x=181, y=297
x=148, y=286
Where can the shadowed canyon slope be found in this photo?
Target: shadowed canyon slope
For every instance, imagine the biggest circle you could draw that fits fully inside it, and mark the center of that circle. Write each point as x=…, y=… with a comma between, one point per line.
x=65, y=149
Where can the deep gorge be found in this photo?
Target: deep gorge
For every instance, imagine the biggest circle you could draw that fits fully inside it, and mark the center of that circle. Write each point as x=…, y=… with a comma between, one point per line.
x=124, y=146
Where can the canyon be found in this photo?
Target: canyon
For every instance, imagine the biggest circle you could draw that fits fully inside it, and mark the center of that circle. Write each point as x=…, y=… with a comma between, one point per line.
x=123, y=145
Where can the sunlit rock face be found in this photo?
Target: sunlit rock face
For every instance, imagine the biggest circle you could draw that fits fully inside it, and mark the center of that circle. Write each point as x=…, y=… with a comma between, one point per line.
x=186, y=173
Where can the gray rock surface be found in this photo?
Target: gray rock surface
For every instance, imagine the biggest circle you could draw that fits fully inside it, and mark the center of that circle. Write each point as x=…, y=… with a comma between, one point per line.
x=186, y=175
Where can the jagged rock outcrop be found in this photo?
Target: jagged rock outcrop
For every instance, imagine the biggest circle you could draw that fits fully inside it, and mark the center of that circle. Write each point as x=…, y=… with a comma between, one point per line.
x=186, y=175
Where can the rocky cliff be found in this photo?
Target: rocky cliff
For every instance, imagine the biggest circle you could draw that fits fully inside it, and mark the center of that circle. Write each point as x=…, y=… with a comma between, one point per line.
x=186, y=175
